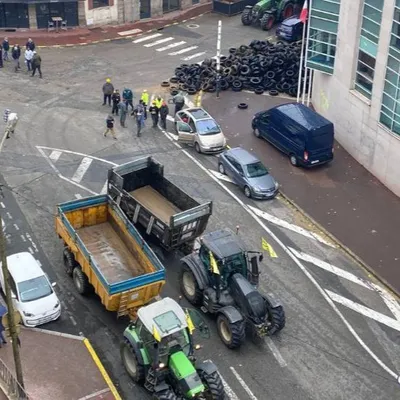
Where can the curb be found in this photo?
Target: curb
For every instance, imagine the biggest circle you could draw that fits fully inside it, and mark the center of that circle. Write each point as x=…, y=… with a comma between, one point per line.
x=59, y=46
x=54, y=333
x=102, y=369
x=343, y=247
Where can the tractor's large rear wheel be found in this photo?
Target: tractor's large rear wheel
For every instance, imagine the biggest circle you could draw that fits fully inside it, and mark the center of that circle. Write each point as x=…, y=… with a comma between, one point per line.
x=232, y=334
x=267, y=22
x=246, y=16
x=166, y=395
x=214, y=386
x=189, y=286
x=288, y=10
x=277, y=320
x=131, y=363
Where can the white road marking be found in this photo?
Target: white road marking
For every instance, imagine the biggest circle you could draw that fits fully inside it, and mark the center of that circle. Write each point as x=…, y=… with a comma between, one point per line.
x=185, y=50
x=9, y=215
x=284, y=224
x=296, y=261
x=81, y=170
x=16, y=227
x=157, y=42
x=193, y=56
x=23, y=238
x=143, y=39
x=221, y=176
x=2, y=204
x=104, y=189
x=170, y=46
x=55, y=155
x=228, y=390
x=389, y=300
x=368, y=312
x=39, y=263
x=170, y=118
x=78, y=196
x=330, y=268
x=30, y=250
x=73, y=320
x=131, y=32
x=275, y=352
x=243, y=383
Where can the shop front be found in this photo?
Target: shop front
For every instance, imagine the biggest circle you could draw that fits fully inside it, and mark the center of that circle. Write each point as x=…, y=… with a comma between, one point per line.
x=66, y=10
x=14, y=15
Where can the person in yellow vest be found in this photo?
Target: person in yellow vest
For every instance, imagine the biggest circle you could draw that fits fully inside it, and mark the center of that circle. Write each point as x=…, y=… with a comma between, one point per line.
x=145, y=100
x=158, y=101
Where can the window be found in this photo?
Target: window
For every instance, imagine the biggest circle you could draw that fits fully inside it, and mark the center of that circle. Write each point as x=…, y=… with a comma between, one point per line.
x=368, y=46
x=256, y=170
x=34, y=289
x=100, y=3
x=390, y=108
x=208, y=127
x=323, y=20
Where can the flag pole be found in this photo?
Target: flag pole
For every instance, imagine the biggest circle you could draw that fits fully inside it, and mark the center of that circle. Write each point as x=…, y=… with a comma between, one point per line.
x=306, y=55
x=301, y=62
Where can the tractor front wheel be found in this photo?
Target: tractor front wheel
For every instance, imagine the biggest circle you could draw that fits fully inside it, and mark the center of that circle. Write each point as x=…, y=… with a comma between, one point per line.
x=288, y=11
x=267, y=22
x=189, y=286
x=232, y=334
x=277, y=320
x=131, y=363
x=166, y=395
x=246, y=16
x=214, y=386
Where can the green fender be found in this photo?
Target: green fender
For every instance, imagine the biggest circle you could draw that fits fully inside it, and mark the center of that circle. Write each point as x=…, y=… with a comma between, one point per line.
x=131, y=336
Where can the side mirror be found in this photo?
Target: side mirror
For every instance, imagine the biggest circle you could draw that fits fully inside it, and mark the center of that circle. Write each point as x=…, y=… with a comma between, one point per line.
x=54, y=284
x=199, y=323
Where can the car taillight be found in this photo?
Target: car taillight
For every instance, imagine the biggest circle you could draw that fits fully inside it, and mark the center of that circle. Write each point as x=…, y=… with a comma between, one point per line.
x=305, y=156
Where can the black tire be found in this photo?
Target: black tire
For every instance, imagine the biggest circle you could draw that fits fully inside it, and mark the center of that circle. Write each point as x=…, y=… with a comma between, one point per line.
x=164, y=83
x=81, y=281
x=277, y=319
x=246, y=16
x=270, y=74
x=174, y=92
x=259, y=90
x=197, y=148
x=232, y=335
x=174, y=79
x=243, y=106
x=256, y=133
x=214, y=386
x=247, y=192
x=267, y=22
x=130, y=361
x=273, y=92
x=166, y=395
x=237, y=89
x=188, y=280
x=288, y=11
x=221, y=169
x=69, y=261
x=293, y=160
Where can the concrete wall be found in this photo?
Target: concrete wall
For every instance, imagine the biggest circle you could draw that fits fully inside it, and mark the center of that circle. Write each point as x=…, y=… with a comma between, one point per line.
x=102, y=15
x=356, y=118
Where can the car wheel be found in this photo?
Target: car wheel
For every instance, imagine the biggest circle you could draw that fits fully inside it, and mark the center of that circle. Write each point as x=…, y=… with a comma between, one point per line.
x=293, y=160
x=197, y=147
x=256, y=132
x=221, y=169
x=247, y=192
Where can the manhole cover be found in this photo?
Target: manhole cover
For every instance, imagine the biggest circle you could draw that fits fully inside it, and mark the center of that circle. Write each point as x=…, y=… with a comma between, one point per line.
x=193, y=26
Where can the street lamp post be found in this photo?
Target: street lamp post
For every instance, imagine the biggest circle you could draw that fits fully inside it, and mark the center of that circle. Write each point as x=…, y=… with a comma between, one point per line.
x=219, y=57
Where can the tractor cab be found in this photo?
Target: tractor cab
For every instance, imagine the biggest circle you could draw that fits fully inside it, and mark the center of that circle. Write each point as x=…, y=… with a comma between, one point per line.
x=225, y=250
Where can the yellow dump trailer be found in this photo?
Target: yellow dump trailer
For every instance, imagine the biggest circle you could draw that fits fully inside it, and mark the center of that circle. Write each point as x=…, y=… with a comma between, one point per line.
x=104, y=250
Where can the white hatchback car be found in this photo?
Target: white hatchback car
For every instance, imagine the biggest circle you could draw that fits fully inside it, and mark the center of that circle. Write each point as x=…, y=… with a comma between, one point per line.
x=32, y=293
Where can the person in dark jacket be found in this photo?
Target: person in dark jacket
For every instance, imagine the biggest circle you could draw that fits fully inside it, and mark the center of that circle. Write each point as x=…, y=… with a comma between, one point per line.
x=179, y=102
x=6, y=48
x=123, y=108
x=153, y=110
x=30, y=45
x=116, y=98
x=3, y=311
x=36, y=64
x=164, y=111
x=16, y=54
x=138, y=112
x=110, y=127
x=1, y=57
x=127, y=95
x=108, y=90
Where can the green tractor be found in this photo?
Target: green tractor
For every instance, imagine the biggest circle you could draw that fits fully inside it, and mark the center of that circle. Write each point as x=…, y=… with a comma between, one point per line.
x=267, y=13
x=158, y=352
x=221, y=277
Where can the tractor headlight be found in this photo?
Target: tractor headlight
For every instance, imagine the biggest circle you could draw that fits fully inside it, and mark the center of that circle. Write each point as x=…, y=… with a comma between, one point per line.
x=161, y=365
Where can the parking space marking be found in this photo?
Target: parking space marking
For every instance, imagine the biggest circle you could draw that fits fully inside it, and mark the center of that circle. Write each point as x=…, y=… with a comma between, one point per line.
x=295, y=228
x=55, y=155
x=275, y=352
x=143, y=39
x=243, y=383
x=81, y=170
x=228, y=390
x=221, y=176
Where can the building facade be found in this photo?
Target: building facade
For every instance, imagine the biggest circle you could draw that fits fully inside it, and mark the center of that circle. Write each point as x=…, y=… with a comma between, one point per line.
x=36, y=14
x=354, y=48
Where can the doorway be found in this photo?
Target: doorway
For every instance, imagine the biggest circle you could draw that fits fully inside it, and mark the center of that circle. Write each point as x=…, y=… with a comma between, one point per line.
x=67, y=11
x=145, y=9
x=14, y=15
x=171, y=5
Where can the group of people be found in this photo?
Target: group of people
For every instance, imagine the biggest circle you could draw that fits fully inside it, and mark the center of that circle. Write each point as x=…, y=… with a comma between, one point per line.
x=158, y=109
x=33, y=60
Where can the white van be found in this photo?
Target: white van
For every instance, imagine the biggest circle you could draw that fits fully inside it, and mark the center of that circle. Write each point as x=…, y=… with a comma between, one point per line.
x=33, y=294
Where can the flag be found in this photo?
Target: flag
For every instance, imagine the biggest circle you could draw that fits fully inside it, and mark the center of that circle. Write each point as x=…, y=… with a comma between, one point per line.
x=304, y=12
x=267, y=247
x=214, y=266
x=156, y=335
x=189, y=322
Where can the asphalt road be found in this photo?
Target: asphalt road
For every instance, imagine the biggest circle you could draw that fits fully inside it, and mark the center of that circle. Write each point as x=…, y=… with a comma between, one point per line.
x=326, y=351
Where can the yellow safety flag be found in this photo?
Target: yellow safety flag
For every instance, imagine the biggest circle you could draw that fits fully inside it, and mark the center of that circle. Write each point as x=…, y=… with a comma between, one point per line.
x=214, y=266
x=189, y=323
x=156, y=335
x=267, y=247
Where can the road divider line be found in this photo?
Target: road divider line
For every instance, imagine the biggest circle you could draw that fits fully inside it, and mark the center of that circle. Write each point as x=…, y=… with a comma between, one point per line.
x=185, y=50
x=193, y=56
x=55, y=155
x=294, y=228
x=221, y=176
x=143, y=39
x=243, y=384
x=275, y=352
x=157, y=42
x=228, y=390
x=171, y=46
x=82, y=169
x=367, y=312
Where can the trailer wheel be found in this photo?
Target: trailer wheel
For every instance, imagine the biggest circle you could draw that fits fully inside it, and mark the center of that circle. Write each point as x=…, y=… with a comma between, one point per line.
x=69, y=261
x=131, y=363
x=214, y=386
x=80, y=280
x=232, y=335
x=277, y=320
x=189, y=286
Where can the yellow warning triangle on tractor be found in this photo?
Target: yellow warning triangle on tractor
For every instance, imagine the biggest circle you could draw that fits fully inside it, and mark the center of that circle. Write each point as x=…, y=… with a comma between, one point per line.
x=156, y=335
x=267, y=247
x=214, y=266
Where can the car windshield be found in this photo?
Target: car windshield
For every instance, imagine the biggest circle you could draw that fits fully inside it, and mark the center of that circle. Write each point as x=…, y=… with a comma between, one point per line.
x=255, y=170
x=207, y=127
x=34, y=289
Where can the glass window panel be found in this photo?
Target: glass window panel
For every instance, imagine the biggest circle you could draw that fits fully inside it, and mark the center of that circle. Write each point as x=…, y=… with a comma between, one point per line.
x=363, y=89
x=394, y=52
x=388, y=102
x=368, y=47
x=390, y=89
x=325, y=15
x=392, y=77
x=371, y=27
x=385, y=120
x=372, y=13
x=323, y=25
x=322, y=5
x=374, y=3
x=387, y=111
x=393, y=63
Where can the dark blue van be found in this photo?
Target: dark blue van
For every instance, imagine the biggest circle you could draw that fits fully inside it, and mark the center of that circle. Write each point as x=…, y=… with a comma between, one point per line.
x=291, y=29
x=301, y=133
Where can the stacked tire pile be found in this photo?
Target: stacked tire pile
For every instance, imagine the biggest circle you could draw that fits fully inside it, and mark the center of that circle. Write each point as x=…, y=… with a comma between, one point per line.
x=261, y=66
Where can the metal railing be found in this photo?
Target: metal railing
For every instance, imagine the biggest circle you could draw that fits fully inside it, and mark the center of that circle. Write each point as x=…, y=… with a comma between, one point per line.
x=13, y=389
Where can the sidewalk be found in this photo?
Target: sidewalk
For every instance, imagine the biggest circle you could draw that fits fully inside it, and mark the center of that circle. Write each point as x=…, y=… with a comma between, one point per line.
x=84, y=36
x=57, y=367
x=343, y=197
